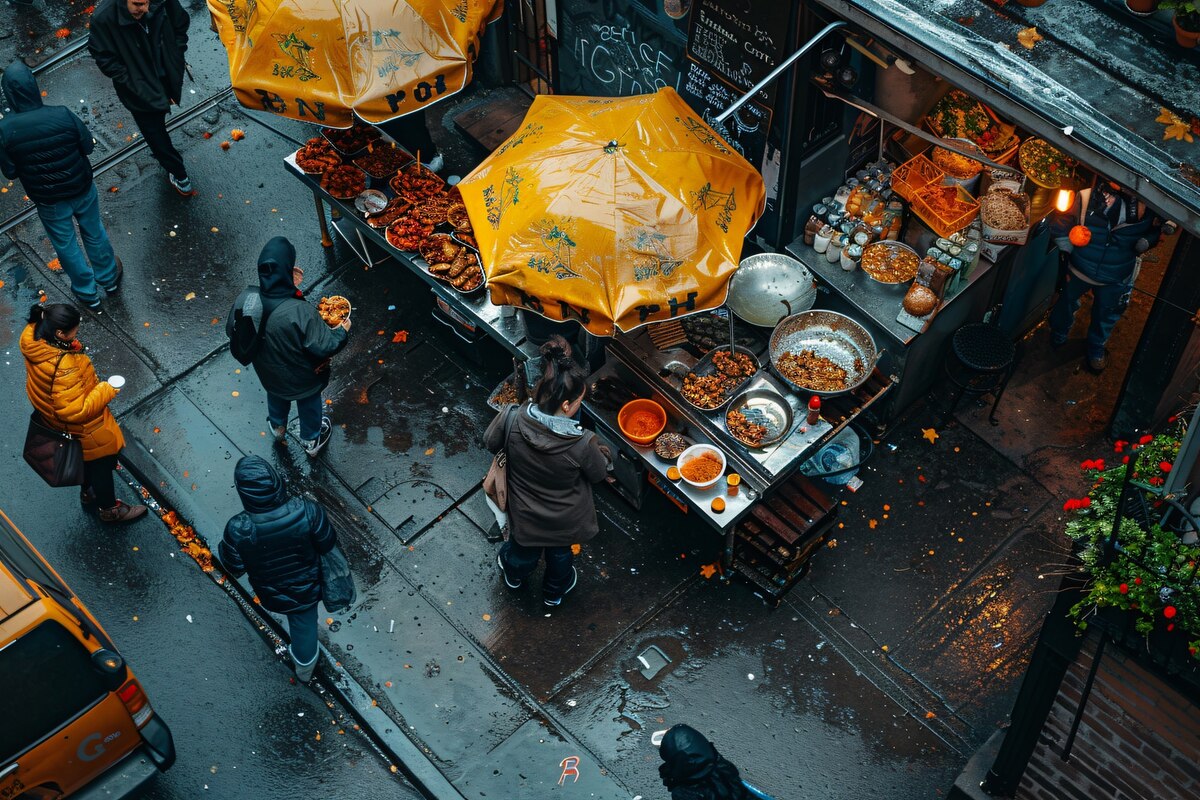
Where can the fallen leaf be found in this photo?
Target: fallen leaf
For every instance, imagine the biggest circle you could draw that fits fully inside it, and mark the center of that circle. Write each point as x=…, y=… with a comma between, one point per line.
x=930, y=434
x=393, y=767
x=207, y=134
x=708, y=570
x=884, y=648
x=224, y=145
x=1028, y=37
x=62, y=33
x=400, y=337
x=190, y=296
x=387, y=684
x=930, y=715
x=872, y=524
x=329, y=620
x=1176, y=128
x=237, y=134
x=429, y=452
x=1, y=284
x=235, y=394
x=576, y=549
x=54, y=265
x=832, y=543
x=157, y=430
x=318, y=736
x=487, y=617
x=215, y=229
x=145, y=324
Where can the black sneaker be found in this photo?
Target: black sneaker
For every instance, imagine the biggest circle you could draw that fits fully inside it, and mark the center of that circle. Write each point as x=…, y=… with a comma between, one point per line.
x=93, y=304
x=557, y=602
x=182, y=185
x=116, y=285
x=510, y=584
x=313, y=448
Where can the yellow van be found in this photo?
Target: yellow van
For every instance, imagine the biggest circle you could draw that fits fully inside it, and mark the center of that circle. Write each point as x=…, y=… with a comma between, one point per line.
x=74, y=721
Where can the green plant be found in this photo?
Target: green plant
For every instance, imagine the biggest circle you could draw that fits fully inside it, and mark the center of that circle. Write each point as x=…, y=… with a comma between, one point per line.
x=1145, y=571
x=1186, y=13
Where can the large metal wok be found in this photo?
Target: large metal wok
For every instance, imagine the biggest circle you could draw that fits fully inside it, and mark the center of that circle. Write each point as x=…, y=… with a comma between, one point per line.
x=770, y=286
x=830, y=335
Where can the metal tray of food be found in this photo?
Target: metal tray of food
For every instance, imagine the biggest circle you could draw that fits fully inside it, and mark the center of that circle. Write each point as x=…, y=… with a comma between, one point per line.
x=763, y=408
x=890, y=263
x=827, y=335
x=709, y=367
x=505, y=393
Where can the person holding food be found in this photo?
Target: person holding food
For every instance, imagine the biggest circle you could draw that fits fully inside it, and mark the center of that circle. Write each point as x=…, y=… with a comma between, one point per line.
x=63, y=388
x=552, y=463
x=1120, y=229
x=292, y=361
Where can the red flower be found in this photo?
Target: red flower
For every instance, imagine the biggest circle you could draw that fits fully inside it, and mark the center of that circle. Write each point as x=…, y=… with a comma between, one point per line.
x=1165, y=466
x=1172, y=418
x=1137, y=581
x=1124, y=588
x=1086, y=502
x=1169, y=612
x=1147, y=439
x=1192, y=650
x=1118, y=447
x=1098, y=464
x=1086, y=464
x=1125, y=460
x=1171, y=627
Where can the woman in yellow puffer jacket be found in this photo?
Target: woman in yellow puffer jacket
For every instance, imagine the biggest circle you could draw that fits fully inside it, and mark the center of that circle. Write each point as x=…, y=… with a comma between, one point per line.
x=64, y=389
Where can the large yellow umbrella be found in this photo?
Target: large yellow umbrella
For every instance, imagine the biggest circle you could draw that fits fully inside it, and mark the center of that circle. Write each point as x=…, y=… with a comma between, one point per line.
x=616, y=212
x=320, y=60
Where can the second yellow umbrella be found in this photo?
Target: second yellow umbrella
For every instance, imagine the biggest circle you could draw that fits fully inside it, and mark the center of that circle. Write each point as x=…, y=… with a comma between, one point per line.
x=616, y=212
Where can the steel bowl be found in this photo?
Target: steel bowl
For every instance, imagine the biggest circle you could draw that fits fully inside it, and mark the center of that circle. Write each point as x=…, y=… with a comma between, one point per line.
x=892, y=248
x=831, y=335
x=770, y=286
x=763, y=407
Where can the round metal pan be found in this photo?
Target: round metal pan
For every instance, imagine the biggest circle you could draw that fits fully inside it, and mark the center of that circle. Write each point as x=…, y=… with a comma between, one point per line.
x=770, y=286
x=830, y=335
x=893, y=249
x=763, y=407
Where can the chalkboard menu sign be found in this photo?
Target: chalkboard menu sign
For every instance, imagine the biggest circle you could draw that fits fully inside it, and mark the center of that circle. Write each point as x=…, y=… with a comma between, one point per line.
x=746, y=130
x=616, y=48
x=740, y=41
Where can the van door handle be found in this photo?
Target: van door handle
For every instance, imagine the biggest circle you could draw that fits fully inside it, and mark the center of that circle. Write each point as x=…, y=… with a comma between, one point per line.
x=9, y=770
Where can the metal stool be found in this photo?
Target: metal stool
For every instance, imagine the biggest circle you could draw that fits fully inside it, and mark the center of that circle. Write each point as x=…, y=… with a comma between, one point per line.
x=981, y=360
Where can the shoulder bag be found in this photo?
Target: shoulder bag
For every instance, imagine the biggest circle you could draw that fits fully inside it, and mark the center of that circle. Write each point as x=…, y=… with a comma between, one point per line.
x=337, y=583
x=55, y=455
x=495, y=483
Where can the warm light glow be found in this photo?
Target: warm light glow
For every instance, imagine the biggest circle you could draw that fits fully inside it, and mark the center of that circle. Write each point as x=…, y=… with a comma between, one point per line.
x=1064, y=201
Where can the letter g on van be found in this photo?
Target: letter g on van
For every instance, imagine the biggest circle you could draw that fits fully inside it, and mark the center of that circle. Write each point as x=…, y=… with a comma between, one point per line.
x=90, y=748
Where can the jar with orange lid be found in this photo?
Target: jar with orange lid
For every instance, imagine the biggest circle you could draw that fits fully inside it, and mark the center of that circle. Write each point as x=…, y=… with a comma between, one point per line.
x=732, y=482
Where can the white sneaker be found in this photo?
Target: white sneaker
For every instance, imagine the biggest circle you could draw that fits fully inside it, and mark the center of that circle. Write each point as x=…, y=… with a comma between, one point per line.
x=436, y=163
x=314, y=447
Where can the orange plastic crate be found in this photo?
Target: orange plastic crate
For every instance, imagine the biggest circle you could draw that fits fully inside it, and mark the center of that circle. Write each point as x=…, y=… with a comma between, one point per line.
x=913, y=175
x=945, y=209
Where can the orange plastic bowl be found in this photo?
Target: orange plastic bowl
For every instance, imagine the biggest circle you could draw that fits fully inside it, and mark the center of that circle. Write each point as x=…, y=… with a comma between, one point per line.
x=642, y=404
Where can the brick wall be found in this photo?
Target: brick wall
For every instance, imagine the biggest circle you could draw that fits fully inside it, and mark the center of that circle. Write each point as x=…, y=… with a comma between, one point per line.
x=1138, y=740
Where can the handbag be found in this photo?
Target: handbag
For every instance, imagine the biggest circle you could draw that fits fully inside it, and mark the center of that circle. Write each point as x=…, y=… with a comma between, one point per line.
x=54, y=454
x=337, y=584
x=495, y=483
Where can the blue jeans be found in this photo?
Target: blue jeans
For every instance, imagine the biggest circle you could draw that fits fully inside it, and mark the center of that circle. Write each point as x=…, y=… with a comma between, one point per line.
x=1107, y=308
x=57, y=219
x=308, y=409
x=302, y=628
x=520, y=561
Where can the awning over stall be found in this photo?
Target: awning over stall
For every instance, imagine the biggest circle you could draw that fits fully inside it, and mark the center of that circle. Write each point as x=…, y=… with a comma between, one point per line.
x=1095, y=85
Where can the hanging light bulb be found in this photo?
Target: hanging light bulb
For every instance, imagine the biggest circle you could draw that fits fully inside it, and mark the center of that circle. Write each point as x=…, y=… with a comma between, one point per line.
x=1064, y=201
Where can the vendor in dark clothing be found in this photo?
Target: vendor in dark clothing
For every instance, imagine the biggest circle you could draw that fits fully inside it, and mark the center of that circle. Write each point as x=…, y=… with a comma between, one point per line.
x=1121, y=229
x=692, y=769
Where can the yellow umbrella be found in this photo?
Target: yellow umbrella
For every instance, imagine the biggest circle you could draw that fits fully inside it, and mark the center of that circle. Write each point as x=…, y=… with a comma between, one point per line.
x=321, y=60
x=616, y=212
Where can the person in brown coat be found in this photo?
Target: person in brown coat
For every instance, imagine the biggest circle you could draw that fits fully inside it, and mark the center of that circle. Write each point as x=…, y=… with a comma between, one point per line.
x=62, y=386
x=552, y=464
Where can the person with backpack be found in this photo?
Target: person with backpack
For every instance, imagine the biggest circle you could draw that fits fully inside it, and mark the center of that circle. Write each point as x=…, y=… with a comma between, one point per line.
x=278, y=541
x=47, y=148
x=288, y=343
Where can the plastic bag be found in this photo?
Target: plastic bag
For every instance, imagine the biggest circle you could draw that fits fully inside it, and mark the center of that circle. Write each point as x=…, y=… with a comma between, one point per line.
x=337, y=584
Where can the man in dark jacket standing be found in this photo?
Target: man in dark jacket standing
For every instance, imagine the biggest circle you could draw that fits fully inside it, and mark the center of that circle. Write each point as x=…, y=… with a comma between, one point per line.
x=1121, y=229
x=47, y=148
x=279, y=540
x=293, y=360
x=139, y=44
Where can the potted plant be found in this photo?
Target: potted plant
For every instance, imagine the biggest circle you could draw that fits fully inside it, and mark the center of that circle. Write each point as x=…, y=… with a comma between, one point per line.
x=1141, y=8
x=1031, y=3
x=1186, y=21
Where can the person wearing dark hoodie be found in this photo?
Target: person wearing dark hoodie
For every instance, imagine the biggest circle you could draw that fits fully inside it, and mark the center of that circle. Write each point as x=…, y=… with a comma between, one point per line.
x=292, y=362
x=47, y=149
x=692, y=769
x=140, y=45
x=278, y=542
x=552, y=463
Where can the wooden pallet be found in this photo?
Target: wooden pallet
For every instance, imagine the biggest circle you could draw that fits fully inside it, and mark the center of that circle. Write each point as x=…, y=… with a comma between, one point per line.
x=774, y=544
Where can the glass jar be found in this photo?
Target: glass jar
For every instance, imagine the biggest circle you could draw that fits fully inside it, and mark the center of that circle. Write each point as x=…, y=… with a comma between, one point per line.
x=851, y=255
x=833, y=253
x=834, y=218
x=862, y=238
x=944, y=259
x=820, y=210
x=970, y=252
x=821, y=239
x=933, y=253
x=944, y=244
x=954, y=250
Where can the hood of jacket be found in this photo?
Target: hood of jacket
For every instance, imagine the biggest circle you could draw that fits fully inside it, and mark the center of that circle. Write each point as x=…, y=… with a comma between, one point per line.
x=37, y=351
x=21, y=88
x=542, y=438
x=275, y=264
x=687, y=756
x=259, y=485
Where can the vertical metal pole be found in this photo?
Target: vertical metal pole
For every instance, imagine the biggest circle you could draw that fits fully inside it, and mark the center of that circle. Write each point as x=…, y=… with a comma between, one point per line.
x=1083, y=698
x=325, y=240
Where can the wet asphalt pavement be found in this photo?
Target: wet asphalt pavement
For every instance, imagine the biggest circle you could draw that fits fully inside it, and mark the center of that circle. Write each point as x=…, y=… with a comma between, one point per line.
x=878, y=676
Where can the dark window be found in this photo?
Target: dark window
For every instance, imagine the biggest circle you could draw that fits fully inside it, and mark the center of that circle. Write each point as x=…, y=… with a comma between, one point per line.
x=46, y=680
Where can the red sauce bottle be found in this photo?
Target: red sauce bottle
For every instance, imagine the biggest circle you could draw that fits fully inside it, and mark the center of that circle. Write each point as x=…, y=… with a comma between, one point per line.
x=814, y=410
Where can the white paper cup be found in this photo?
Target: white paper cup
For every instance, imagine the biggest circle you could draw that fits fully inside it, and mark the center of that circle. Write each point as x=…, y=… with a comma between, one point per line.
x=116, y=381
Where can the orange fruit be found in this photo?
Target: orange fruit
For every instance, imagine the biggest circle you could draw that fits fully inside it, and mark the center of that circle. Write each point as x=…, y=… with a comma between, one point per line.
x=718, y=504
x=673, y=473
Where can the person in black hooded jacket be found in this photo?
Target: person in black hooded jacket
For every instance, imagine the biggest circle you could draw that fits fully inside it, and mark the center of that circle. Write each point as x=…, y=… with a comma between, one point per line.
x=293, y=361
x=140, y=45
x=692, y=769
x=47, y=149
x=278, y=541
